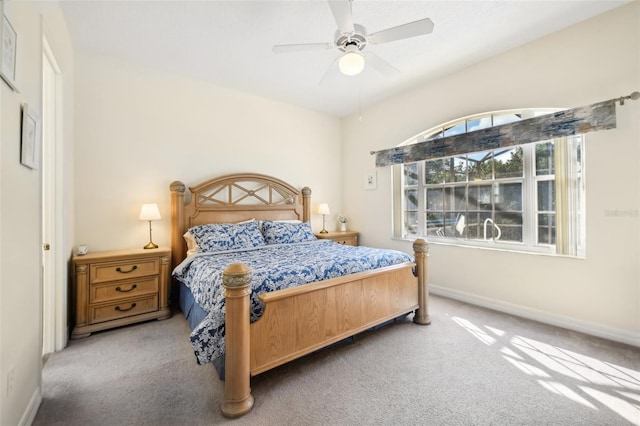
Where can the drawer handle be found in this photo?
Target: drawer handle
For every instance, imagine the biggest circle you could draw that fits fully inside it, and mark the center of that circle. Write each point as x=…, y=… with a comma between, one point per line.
x=133, y=287
x=133, y=268
x=118, y=308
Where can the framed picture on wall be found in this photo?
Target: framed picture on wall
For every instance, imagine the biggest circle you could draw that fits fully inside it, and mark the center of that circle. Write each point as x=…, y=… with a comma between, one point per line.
x=30, y=149
x=8, y=50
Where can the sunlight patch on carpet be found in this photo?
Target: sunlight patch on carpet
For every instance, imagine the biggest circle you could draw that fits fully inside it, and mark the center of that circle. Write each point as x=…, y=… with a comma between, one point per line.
x=477, y=332
x=560, y=389
x=584, y=379
x=619, y=405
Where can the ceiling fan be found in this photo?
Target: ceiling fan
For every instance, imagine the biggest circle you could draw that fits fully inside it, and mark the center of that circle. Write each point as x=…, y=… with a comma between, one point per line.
x=352, y=39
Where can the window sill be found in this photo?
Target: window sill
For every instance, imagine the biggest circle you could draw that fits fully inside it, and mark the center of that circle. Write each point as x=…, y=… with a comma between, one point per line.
x=516, y=248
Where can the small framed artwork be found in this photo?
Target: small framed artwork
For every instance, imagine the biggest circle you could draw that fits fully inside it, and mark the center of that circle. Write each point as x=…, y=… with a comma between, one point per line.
x=370, y=179
x=8, y=50
x=30, y=149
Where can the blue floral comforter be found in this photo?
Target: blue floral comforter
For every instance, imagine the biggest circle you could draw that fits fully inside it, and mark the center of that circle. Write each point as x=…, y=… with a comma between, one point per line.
x=273, y=267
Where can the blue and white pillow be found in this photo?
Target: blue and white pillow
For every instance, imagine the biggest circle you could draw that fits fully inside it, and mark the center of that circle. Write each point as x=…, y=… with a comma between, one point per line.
x=286, y=233
x=227, y=236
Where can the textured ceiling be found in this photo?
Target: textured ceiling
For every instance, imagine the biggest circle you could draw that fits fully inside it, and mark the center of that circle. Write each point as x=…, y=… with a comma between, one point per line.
x=229, y=42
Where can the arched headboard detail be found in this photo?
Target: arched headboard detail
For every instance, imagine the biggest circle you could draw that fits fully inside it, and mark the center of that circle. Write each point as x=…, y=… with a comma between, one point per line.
x=233, y=198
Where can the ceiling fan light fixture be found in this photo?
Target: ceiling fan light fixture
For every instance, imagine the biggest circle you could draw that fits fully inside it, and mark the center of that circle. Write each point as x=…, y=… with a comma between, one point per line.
x=352, y=62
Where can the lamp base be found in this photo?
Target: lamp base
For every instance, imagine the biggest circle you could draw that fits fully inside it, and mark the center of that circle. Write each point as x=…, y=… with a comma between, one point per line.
x=324, y=230
x=151, y=245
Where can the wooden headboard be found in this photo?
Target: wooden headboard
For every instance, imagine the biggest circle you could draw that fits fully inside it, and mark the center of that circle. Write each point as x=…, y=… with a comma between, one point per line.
x=233, y=198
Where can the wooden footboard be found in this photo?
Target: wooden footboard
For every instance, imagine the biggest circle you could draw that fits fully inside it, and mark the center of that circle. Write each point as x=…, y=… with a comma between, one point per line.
x=300, y=320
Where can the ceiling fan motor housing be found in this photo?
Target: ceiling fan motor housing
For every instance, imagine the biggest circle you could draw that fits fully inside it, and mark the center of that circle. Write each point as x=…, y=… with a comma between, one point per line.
x=358, y=38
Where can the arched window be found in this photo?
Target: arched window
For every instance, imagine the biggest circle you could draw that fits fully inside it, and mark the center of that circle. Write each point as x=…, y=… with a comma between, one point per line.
x=528, y=197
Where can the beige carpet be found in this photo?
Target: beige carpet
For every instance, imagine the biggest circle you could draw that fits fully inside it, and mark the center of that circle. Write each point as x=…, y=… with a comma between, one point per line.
x=472, y=366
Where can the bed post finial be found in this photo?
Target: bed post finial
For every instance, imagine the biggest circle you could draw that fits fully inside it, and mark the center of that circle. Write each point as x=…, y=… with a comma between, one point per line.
x=178, y=247
x=306, y=204
x=421, y=253
x=238, y=400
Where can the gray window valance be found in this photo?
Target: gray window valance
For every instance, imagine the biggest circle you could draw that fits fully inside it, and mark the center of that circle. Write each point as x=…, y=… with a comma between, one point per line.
x=570, y=122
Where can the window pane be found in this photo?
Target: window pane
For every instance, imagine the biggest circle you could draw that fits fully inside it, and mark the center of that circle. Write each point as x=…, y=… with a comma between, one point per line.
x=410, y=223
x=505, y=119
x=508, y=163
x=508, y=227
x=411, y=174
x=507, y=196
x=546, y=228
x=475, y=225
x=578, y=154
x=478, y=123
x=456, y=129
x=436, y=171
x=455, y=198
x=411, y=199
x=490, y=231
x=480, y=197
x=480, y=166
x=436, y=135
x=458, y=224
x=435, y=199
x=460, y=168
x=435, y=224
x=450, y=224
x=546, y=196
x=544, y=159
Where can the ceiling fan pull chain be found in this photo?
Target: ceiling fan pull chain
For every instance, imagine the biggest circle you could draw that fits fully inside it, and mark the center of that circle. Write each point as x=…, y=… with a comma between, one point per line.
x=359, y=102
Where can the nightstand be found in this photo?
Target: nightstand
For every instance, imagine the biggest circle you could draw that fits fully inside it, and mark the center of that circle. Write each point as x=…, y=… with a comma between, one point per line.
x=341, y=237
x=115, y=288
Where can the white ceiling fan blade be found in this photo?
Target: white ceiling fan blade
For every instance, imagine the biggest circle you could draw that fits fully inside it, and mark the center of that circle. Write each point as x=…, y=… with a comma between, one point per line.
x=341, y=10
x=380, y=65
x=328, y=71
x=305, y=47
x=411, y=29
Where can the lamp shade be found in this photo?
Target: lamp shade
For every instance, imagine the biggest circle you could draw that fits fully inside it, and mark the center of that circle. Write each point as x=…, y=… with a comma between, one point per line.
x=352, y=62
x=149, y=212
x=323, y=208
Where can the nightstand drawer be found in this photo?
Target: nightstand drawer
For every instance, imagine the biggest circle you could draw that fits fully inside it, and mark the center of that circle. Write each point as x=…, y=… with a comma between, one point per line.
x=347, y=241
x=103, y=272
x=123, y=309
x=123, y=289
x=341, y=237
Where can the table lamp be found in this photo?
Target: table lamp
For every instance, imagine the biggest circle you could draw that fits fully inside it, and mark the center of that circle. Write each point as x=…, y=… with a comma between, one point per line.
x=150, y=212
x=323, y=209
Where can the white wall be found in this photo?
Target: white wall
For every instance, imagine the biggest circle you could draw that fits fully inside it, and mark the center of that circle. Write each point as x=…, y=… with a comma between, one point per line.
x=593, y=61
x=20, y=208
x=139, y=129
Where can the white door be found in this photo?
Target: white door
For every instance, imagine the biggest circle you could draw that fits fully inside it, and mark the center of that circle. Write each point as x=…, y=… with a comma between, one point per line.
x=53, y=308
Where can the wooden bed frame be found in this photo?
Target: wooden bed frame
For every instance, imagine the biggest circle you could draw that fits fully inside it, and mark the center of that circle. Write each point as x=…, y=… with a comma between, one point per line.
x=296, y=321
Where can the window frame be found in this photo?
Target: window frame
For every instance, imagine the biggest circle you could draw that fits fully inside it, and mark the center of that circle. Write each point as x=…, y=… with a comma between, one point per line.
x=529, y=189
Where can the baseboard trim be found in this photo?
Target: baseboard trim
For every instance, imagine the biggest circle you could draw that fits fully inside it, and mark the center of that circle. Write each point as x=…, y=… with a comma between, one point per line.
x=30, y=412
x=592, y=329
